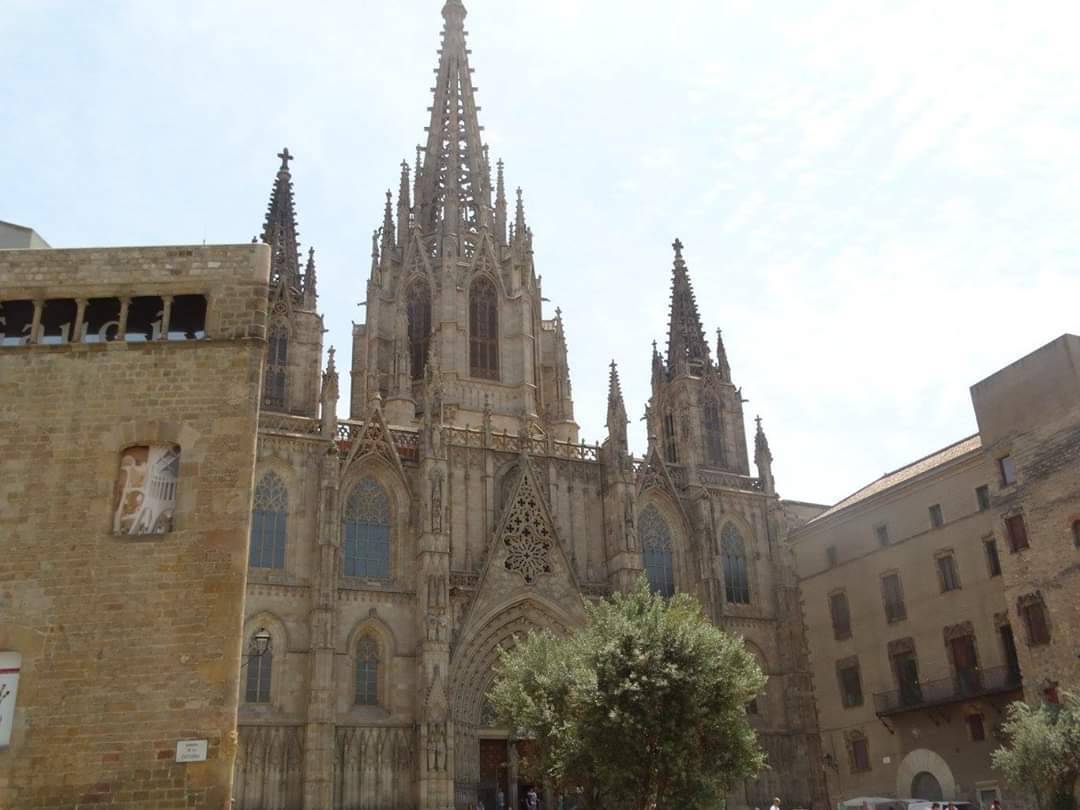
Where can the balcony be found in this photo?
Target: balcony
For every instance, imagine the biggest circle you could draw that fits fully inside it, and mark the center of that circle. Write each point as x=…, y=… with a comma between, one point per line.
x=960, y=687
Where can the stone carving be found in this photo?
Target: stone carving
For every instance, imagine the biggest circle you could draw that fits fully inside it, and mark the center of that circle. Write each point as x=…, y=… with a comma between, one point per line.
x=526, y=533
x=368, y=769
x=436, y=747
x=628, y=522
x=436, y=500
x=269, y=762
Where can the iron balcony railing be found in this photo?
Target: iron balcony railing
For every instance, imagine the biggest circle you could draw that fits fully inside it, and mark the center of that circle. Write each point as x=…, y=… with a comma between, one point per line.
x=961, y=686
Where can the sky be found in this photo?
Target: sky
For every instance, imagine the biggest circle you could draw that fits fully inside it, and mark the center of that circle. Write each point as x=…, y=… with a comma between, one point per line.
x=878, y=200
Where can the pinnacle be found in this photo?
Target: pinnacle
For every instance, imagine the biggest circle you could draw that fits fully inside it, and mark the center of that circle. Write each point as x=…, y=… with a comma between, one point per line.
x=279, y=229
x=687, y=349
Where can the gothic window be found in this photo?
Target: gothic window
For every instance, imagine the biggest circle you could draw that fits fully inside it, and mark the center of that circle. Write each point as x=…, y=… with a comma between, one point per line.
x=714, y=434
x=736, y=575
x=484, y=329
x=366, y=525
x=367, y=672
x=259, y=669
x=268, y=520
x=277, y=358
x=418, y=302
x=145, y=497
x=671, y=452
x=656, y=550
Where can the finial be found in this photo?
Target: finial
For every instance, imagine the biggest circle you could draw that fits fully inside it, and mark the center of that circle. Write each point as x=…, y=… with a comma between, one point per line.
x=330, y=361
x=285, y=158
x=254, y=240
x=678, y=246
x=611, y=365
x=757, y=419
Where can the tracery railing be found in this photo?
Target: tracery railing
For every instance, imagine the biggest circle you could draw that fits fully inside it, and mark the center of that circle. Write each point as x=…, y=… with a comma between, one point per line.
x=515, y=443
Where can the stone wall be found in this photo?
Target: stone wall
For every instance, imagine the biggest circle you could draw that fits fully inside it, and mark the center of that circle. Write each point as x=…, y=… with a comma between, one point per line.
x=128, y=643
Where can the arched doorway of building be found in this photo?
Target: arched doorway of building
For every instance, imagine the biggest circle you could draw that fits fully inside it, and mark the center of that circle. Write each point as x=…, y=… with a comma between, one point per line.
x=926, y=786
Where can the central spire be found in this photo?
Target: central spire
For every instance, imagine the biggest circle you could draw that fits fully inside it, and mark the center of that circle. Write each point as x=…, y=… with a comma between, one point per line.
x=688, y=352
x=453, y=188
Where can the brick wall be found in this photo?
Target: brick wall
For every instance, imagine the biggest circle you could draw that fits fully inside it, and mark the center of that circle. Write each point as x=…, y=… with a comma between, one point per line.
x=128, y=644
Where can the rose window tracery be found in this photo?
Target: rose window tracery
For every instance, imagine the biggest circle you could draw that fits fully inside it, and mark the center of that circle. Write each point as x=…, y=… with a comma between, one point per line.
x=526, y=535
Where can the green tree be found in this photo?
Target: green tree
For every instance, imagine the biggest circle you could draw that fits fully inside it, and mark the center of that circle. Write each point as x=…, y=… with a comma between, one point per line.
x=644, y=707
x=1042, y=752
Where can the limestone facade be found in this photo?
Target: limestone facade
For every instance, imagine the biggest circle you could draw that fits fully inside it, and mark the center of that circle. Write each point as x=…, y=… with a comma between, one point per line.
x=126, y=618
x=395, y=552
x=916, y=594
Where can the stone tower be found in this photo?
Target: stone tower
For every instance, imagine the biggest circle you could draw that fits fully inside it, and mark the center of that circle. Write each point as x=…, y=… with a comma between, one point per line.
x=294, y=350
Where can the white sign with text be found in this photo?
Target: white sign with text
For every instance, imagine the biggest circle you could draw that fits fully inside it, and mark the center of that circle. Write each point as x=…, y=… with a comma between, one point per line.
x=191, y=751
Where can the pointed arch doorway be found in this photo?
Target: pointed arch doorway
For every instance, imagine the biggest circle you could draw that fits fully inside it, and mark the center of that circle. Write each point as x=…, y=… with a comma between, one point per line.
x=502, y=783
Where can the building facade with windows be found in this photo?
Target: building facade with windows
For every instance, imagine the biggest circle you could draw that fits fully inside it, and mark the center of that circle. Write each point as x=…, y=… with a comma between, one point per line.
x=394, y=553
x=930, y=604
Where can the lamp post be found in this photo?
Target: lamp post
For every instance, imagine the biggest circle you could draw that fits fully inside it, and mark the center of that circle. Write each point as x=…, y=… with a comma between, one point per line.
x=260, y=645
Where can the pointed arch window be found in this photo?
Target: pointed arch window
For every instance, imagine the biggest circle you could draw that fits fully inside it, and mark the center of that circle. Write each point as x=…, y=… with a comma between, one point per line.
x=277, y=359
x=366, y=530
x=714, y=433
x=671, y=450
x=367, y=672
x=484, y=329
x=736, y=574
x=656, y=551
x=260, y=667
x=418, y=304
x=268, y=523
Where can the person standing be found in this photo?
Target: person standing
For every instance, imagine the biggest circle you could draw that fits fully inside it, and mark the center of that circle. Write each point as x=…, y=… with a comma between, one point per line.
x=775, y=804
x=532, y=801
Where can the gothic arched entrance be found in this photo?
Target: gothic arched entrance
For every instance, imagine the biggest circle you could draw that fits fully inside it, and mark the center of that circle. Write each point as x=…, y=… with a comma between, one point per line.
x=485, y=757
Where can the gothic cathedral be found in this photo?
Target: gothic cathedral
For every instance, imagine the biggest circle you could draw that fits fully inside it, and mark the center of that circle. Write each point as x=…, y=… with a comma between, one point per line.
x=394, y=553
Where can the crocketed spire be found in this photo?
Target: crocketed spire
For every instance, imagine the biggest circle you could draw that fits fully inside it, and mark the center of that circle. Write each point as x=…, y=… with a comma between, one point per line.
x=722, y=365
x=310, y=293
x=616, y=410
x=279, y=231
x=688, y=352
x=763, y=459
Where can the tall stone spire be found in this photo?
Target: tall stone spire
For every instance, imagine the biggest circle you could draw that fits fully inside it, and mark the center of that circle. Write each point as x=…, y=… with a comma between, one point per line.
x=453, y=190
x=279, y=231
x=310, y=293
x=763, y=458
x=404, y=205
x=616, y=411
x=688, y=352
x=500, y=204
x=722, y=365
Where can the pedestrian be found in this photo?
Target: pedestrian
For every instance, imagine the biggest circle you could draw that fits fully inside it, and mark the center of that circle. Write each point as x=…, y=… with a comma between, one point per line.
x=995, y=805
x=500, y=800
x=775, y=804
x=532, y=801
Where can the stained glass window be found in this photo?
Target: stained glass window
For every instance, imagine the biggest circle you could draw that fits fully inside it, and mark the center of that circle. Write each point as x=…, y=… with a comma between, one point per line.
x=367, y=672
x=259, y=669
x=268, y=520
x=277, y=358
x=736, y=575
x=418, y=301
x=484, y=329
x=656, y=551
x=366, y=524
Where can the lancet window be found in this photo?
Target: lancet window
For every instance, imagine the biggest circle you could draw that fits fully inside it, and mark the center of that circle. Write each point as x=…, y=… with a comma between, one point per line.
x=671, y=450
x=259, y=669
x=277, y=359
x=418, y=303
x=366, y=529
x=484, y=329
x=736, y=574
x=367, y=672
x=656, y=551
x=268, y=522
x=714, y=434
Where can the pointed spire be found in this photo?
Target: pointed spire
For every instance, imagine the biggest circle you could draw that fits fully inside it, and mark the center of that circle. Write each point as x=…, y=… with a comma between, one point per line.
x=688, y=352
x=388, y=223
x=763, y=458
x=519, y=217
x=453, y=192
x=404, y=205
x=279, y=230
x=616, y=411
x=500, y=204
x=721, y=358
x=310, y=293
x=329, y=397
x=657, y=366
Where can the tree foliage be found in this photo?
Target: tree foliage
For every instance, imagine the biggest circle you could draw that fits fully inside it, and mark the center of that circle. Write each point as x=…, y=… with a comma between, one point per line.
x=644, y=707
x=1042, y=752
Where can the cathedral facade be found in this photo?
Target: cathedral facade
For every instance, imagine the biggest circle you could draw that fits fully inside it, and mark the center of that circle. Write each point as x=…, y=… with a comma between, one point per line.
x=395, y=553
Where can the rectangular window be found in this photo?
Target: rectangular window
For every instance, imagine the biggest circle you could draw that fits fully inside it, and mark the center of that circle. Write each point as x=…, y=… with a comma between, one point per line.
x=860, y=754
x=1033, y=611
x=982, y=497
x=965, y=664
x=830, y=556
x=850, y=684
x=992, y=560
x=906, y=669
x=1016, y=532
x=841, y=616
x=1008, y=470
x=145, y=496
x=937, y=517
x=947, y=575
x=976, y=729
x=882, y=532
x=893, y=594
x=16, y=321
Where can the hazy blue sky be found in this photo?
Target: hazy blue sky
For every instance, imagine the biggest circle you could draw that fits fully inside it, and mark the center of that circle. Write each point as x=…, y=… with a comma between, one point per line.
x=878, y=199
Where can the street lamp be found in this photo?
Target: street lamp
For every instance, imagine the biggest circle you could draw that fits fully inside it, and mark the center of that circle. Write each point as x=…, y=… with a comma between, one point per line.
x=259, y=646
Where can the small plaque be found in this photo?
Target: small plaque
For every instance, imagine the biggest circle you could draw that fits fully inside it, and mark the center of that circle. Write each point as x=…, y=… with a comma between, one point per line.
x=191, y=751
x=886, y=760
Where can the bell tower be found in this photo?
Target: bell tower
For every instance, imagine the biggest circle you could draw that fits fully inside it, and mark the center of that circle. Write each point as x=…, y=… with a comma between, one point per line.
x=452, y=281
x=291, y=380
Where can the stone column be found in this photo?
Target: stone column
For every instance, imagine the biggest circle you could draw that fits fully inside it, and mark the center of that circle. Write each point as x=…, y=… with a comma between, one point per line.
x=320, y=748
